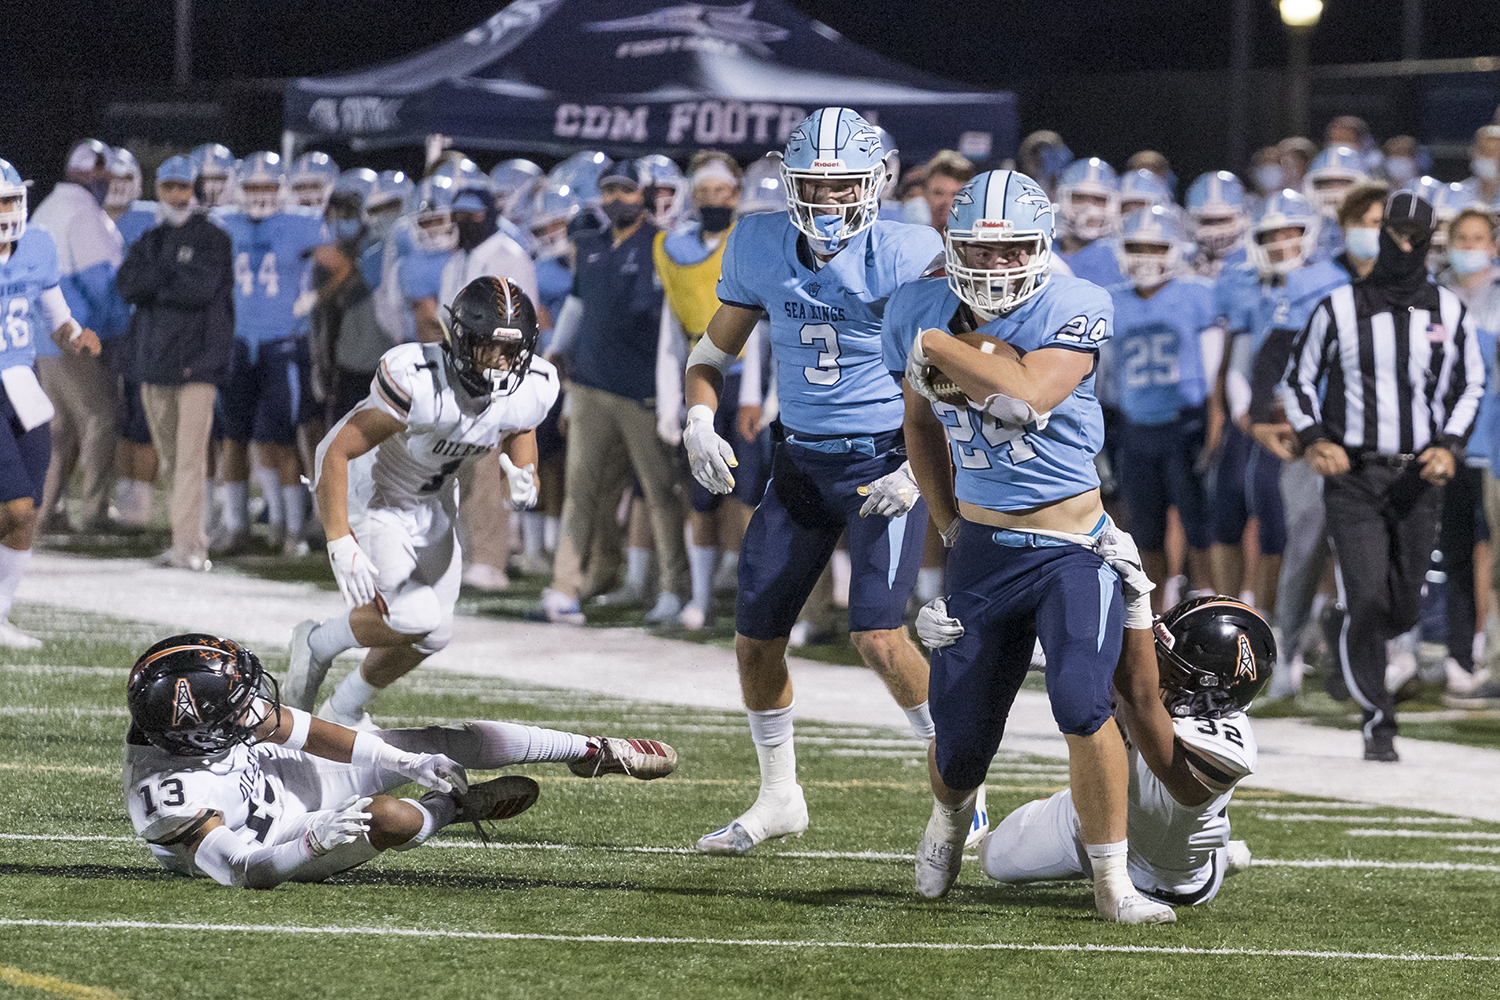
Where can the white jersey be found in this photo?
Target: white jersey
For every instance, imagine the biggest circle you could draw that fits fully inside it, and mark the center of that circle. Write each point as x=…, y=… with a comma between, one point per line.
x=444, y=428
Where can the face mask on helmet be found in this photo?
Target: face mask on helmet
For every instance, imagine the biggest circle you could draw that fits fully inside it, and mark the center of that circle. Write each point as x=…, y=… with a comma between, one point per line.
x=1280, y=250
x=435, y=231
x=1328, y=194
x=260, y=201
x=491, y=336
x=1148, y=264
x=1090, y=216
x=831, y=209
x=214, y=190
x=1216, y=235
x=198, y=695
x=311, y=194
x=995, y=276
x=12, y=215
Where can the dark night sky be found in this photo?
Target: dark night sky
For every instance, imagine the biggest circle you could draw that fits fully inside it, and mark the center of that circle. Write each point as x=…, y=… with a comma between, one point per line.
x=986, y=42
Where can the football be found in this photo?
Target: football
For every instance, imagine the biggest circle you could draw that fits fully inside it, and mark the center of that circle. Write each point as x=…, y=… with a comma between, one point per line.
x=945, y=388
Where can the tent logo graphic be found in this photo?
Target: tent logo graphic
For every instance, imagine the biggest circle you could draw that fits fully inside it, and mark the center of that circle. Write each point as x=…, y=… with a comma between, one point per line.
x=733, y=25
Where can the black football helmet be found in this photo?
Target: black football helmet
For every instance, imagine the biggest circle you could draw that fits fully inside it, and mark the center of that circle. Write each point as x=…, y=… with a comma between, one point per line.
x=196, y=694
x=490, y=313
x=1215, y=655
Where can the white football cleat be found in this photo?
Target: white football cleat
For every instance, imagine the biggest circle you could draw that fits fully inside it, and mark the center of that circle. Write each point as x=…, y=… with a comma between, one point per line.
x=361, y=723
x=1237, y=858
x=693, y=617
x=938, y=864
x=767, y=818
x=981, y=823
x=306, y=673
x=561, y=609
x=481, y=576
x=668, y=606
x=1136, y=909
x=643, y=759
x=13, y=638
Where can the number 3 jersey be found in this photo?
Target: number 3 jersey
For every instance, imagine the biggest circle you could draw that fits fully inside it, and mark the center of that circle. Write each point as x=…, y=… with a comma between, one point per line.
x=999, y=465
x=444, y=427
x=825, y=321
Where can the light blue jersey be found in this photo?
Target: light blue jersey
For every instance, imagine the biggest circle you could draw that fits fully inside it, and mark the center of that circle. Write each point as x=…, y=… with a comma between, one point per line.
x=1248, y=308
x=420, y=271
x=30, y=271
x=1003, y=466
x=1305, y=288
x=1157, y=349
x=271, y=262
x=1096, y=262
x=825, y=323
x=1479, y=450
x=139, y=217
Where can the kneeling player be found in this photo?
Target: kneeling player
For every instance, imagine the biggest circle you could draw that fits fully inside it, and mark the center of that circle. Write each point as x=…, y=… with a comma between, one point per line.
x=1215, y=654
x=223, y=781
x=432, y=408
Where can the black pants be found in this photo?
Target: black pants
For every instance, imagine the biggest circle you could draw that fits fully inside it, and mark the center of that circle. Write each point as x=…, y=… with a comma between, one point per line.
x=1461, y=511
x=1382, y=521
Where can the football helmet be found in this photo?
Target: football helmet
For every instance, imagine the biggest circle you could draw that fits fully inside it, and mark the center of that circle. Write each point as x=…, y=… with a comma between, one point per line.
x=432, y=205
x=833, y=148
x=12, y=203
x=1089, y=218
x=215, y=165
x=1142, y=188
x=124, y=180
x=1330, y=176
x=511, y=180
x=466, y=176
x=1156, y=226
x=390, y=187
x=1284, y=209
x=261, y=181
x=312, y=179
x=580, y=174
x=358, y=182
x=197, y=694
x=491, y=336
x=1216, y=203
x=997, y=208
x=1215, y=655
x=762, y=187
x=666, y=190
x=545, y=215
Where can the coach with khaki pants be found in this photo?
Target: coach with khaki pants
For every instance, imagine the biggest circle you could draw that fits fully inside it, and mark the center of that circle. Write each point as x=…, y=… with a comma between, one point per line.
x=179, y=277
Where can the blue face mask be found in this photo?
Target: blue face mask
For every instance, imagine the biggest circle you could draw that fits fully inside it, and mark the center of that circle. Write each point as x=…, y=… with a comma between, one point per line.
x=1468, y=261
x=828, y=227
x=1362, y=242
x=347, y=229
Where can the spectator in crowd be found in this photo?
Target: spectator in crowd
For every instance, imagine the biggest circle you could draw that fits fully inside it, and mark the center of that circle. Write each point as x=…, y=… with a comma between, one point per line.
x=89, y=250
x=1296, y=155
x=1484, y=165
x=1385, y=454
x=608, y=330
x=1403, y=160
x=1042, y=156
x=1157, y=163
x=179, y=277
x=946, y=174
x=1266, y=171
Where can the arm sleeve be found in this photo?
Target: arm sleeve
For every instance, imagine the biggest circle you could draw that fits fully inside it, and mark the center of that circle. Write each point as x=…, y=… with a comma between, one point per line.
x=1305, y=369
x=224, y=857
x=565, y=329
x=750, y=394
x=57, y=307
x=669, y=364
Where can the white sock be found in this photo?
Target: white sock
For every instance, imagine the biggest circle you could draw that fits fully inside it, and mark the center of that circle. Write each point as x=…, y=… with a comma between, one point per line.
x=125, y=493
x=332, y=637
x=841, y=567
x=12, y=568
x=729, y=563
x=920, y=718
x=293, y=502
x=551, y=528
x=353, y=694
x=637, y=567
x=778, y=769
x=430, y=807
x=235, y=501
x=701, y=562
x=270, y=491
x=531, y=532
x=929, y=583
x=951, y=823
x=1111, y=879
x=505, y=743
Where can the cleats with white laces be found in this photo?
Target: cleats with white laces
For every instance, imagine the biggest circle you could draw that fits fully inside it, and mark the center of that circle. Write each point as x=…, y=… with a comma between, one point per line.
x=306, y=673
x=981, y=824
x=360, y=723
x=13, y=638
x=938, y=864
x=772, y=816
x=643, y=759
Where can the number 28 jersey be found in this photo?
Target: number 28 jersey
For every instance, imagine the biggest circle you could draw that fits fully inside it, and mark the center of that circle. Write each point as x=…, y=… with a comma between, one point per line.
x=31, y=270
x=825, y=323
x=998, y=465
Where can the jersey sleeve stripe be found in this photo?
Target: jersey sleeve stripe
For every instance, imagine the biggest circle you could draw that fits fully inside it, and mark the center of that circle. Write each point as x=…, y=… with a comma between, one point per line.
x=1203, y=764
x=389, y=393
x=186, y=832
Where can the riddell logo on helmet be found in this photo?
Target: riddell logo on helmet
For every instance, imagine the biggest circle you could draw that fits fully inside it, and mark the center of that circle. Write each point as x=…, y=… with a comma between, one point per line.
x=1001, y=224
x=828, y=164
x=184, y=708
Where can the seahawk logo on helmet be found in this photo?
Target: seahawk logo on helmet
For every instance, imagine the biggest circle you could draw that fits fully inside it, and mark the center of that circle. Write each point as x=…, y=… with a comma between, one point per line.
x=491, y=336
x=834, y=169
x=1215, y=655
x=999, y=213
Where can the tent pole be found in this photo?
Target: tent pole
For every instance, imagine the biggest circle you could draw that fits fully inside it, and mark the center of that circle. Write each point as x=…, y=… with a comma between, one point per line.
x=288, y=146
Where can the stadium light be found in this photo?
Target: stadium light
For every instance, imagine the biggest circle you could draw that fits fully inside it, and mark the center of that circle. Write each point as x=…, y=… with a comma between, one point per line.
x=1301, y=13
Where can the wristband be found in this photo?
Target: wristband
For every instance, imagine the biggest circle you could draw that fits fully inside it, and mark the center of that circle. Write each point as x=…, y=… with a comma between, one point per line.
x=1138, y=612
x=700, y=411
x=706, y=353
x=301, y=723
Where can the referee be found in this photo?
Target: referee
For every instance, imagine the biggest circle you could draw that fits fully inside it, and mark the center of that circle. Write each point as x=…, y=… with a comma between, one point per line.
x=1399, y=373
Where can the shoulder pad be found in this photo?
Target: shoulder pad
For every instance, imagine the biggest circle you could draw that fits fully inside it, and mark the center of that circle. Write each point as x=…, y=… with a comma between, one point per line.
x=1220, y=752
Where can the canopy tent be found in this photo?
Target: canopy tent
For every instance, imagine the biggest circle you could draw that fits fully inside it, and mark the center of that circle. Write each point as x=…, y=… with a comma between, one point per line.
x=633, y=76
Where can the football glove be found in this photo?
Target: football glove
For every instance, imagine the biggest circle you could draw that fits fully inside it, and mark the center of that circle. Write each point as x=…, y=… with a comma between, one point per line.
x=522, y=480
x=934, y=626
x=434, y=771
x=916, y=370
x=709, y=455
x=341, y=825
x=353, y=571
x=891, y=495
x=1117, y=548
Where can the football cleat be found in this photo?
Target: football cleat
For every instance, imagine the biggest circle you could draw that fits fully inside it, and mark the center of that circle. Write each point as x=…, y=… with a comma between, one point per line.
x=13, y=638
x=643, y=759
x=938, y=864
x=306, y=673
x=981, y=823
x=693, y=617
x=482, y=576
x=666, y=609
x=768, y=818
x=560, y=609
x=361, y=723
x=1237, y=859
x=499, y=798
x=1137, y=909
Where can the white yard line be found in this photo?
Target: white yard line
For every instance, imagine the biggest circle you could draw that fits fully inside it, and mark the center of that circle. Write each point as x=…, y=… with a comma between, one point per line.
x=1316, y=818
x=1433, y=834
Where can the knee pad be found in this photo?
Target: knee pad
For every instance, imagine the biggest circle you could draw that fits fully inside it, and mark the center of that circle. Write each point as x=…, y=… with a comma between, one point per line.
x=1079, y=713
x=436, y=640
x=415, y=612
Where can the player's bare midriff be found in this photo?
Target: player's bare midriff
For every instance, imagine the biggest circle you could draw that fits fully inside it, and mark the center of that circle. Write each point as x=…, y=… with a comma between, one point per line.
x=1077, y=514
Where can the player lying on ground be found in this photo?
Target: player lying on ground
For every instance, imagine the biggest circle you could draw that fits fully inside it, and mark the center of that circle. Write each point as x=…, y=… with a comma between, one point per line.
x=223, y=781
x=1214, y=655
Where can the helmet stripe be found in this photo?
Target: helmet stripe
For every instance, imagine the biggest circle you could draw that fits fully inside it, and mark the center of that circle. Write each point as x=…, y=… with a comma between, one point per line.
x=178, y=649
x=994, y=200
x=828, y=133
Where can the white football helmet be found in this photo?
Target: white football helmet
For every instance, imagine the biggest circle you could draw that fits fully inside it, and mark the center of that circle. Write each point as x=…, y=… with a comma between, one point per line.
x=432, y=205
x=1216, y=203
x=12, y=203
x=1097, y=213
x=312, y=179
x=1154, y=226
x=1330, y=176
x=261, y=182
x=762, y=188
x=1284, y=209
x=215, y=165
x=997, y=208
x=124, y=180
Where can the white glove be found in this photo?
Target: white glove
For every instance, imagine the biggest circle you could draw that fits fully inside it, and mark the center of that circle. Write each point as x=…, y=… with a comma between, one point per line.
x=709, y=456
x=935, y=628
x=353, y=571
x=950, y=533
x=891, y=495
x=916, y=369
x=342, y=825
x=434, y=771
x=1117, y=548
x=522, y=481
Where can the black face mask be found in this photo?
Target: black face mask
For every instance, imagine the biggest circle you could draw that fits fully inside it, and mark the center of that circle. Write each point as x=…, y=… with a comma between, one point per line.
x=716, y=218
x=1401, y=273
x=471, y=233
x=623, y=214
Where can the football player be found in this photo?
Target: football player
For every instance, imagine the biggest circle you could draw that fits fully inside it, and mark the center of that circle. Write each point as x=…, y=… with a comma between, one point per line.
x=1142, y=188
x=1088, y=194
x=1214, y=655
x=311, y=180
x=1329, y=177
x=31, y=305
x=1021, y=516
x=224, y=781
x=823, y=272
x=433, y=409
x=268, y=393
x=512, y=182
x=1216, y=204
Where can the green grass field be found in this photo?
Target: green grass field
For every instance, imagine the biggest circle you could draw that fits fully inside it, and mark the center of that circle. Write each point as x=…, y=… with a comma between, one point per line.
x=597, y=891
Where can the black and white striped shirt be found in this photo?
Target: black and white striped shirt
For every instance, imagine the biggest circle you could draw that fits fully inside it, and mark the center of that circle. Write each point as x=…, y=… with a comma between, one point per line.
x=1382, y=380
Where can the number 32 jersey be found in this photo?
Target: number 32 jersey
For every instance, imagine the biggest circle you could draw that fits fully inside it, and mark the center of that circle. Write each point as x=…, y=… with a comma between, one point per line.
x=825, y=323
x=999, y=465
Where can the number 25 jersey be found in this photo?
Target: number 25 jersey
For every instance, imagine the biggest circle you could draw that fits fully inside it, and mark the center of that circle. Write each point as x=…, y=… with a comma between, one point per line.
x=825, y=323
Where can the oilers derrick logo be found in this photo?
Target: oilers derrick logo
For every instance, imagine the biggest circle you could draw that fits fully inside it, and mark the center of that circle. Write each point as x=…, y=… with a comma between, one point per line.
x=1245, y=666
x=184, y=708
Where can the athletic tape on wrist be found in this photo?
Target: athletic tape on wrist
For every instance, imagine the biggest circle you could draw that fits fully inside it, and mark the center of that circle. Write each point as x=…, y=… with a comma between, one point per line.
x=301, y=723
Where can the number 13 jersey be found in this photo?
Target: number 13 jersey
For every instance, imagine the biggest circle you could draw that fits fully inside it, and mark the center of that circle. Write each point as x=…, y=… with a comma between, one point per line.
x=825, y=321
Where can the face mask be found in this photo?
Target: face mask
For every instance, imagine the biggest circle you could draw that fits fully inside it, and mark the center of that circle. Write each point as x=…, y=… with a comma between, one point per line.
x=471, y=233
x=1467, y=262
x=347, y=229
x=829, y=228
x=380, y=225
x=1147, y=270
x=1362, y=242
x=1485, y=168
x=99, y=189
x=1400, y=169
x=623, y=214
x=716, y=218
x=172, y=216
x=1269, y=177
